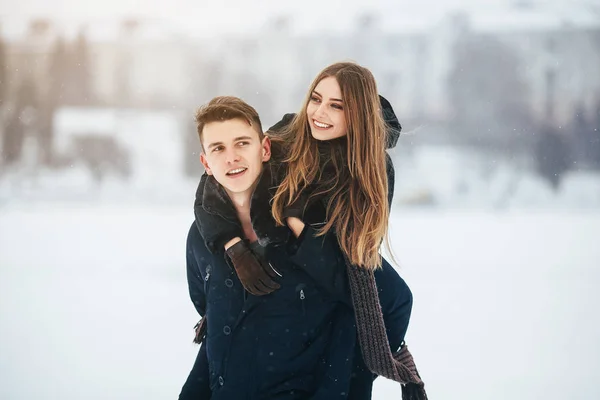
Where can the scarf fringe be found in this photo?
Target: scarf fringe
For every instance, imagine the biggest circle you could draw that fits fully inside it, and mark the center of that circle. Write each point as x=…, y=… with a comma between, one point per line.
x=413, y=391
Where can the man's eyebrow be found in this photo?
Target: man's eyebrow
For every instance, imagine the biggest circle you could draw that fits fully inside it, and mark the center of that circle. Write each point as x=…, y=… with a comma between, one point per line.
x=237, y=139
x=334, y=99
x=215, y=144
x=242, y=138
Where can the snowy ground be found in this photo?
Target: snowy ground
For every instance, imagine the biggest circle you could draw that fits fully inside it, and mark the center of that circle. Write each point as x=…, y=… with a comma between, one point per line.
x=94, y=304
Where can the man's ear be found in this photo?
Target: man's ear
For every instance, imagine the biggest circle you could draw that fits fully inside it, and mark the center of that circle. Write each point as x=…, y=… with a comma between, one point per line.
x=205, y=163
x=266, y=149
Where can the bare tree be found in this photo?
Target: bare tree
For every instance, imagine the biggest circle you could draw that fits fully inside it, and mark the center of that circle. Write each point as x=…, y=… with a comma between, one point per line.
x=58, y=73
x=20, y=120
x=80, y=89
x=56, y=96
x=3, y=74
x=3, y=97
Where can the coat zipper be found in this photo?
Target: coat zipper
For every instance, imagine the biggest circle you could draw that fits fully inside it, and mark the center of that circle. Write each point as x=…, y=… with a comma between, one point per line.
x=208, y=271
x=302, y=297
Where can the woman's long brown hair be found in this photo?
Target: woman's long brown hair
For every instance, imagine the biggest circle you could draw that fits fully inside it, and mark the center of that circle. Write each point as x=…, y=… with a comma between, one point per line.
x=357, y=208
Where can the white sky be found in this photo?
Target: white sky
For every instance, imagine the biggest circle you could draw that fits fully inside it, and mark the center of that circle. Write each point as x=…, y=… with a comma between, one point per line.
x=202, y=16
x=224, y=13
x=177, y=8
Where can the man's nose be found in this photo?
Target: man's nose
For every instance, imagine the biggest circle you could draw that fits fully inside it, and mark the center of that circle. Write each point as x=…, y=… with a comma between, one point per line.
x=232, y=156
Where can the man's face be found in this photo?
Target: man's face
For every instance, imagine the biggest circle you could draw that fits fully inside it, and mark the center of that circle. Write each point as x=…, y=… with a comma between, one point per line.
x=233, y=154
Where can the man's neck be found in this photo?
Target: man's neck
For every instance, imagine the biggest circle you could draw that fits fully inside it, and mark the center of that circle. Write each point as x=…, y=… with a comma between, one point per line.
x=241, y=203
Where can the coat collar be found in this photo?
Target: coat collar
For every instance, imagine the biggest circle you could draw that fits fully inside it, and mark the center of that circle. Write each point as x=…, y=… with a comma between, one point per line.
x=215, y=200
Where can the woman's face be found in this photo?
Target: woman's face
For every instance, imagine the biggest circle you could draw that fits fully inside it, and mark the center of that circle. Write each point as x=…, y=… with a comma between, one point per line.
x=325, y=111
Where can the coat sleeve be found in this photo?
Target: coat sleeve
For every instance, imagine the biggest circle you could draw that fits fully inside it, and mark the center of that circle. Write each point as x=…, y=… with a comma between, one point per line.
x=396, y=302
x=328, y=269
x=197, y=384
x=322, y=259
x=194, y=278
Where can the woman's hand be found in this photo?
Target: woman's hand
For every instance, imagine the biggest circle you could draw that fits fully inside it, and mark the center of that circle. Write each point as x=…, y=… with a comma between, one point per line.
x=296, y=225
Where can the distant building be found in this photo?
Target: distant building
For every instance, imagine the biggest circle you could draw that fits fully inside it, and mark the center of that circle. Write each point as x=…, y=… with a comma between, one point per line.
x=131, y=63
x=151, y=65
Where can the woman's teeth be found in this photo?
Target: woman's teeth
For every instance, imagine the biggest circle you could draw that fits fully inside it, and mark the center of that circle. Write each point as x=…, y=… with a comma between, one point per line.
x=321, y=125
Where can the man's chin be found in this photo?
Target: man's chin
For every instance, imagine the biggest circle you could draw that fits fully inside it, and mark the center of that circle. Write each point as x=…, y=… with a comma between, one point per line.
x=240, y=184
x=240, y=187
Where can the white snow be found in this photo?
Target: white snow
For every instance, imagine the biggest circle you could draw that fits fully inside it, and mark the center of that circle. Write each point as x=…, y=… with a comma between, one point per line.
x=94, y=303
x=452, y=178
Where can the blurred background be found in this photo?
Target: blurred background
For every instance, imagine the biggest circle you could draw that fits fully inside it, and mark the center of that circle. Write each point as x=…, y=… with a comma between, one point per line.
x=495, y=213
x=500, y=101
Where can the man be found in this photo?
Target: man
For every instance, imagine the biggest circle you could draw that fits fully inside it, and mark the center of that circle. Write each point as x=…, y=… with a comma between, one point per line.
x=279, y=322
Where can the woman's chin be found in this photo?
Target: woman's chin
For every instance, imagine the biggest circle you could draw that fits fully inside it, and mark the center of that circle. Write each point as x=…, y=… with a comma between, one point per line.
x=321, y=134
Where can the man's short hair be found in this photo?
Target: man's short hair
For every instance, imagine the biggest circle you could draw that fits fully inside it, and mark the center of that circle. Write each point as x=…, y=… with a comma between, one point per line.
x=225, y=108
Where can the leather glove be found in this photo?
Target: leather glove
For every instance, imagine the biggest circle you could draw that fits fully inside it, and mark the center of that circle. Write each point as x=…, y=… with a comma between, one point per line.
x=257, y=278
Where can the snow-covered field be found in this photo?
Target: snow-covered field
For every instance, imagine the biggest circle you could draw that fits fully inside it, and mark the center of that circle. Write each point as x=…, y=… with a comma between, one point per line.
x=94, y=303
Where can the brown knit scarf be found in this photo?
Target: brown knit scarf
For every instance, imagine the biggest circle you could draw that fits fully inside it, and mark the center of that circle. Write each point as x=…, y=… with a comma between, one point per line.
x=372, y=336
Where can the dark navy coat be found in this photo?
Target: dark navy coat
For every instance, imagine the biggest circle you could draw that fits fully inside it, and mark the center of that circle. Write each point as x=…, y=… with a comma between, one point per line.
x=290, y=344
x=298, y=342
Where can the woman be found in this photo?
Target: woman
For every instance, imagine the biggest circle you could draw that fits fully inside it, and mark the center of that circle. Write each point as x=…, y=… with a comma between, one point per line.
x=336, y=154
x=340, y=122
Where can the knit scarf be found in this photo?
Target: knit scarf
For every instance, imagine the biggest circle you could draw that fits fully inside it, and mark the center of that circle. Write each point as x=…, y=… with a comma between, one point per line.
x=373, y=340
